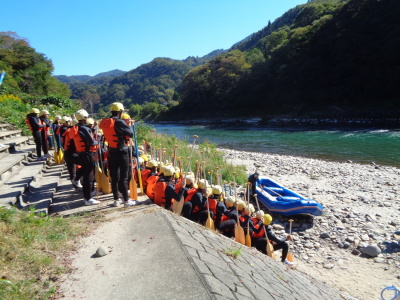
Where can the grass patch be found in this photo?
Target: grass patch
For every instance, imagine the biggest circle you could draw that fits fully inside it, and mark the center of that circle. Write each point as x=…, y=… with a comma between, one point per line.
x=234, y=251
x=32, y=248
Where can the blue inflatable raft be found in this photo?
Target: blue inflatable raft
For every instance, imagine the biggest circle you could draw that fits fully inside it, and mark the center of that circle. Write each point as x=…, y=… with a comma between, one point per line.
x=283, y=201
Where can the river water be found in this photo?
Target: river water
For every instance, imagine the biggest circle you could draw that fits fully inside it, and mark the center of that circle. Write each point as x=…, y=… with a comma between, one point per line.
x=362, y=146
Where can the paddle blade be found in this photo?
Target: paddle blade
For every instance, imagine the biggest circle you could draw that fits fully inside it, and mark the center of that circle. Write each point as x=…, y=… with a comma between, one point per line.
x=239, y=235
x=290, y=257
x=210, y=223
x=177, y=207
x=61, y=156
x=133, y=189
x=248, y=240
x=97, y=176
x=270, y=250
x=105, y=184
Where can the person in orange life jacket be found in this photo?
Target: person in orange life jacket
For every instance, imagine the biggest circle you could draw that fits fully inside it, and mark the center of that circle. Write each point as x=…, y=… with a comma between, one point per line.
x=36, y=126
x=149, y=171
x=86, y=147
x=46, y=138
x=227, y=223
x=253, y=179
x=56, y=125
x=217, y=207
x=245, y=219
x=70, y=155
x=194, y=209
x=164, y=190
x=117, y=134
x=261, y=242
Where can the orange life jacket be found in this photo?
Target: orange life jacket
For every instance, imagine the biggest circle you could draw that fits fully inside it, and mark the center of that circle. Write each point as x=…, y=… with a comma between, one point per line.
x=178, y=186
x=80, y=144
x=212, y=203
x=159, y=193
x=108, y=127
x=145, y=175
x=151, y=183
x=261, y=234
x=30, y=125
x=67, y=142
x=190, y=194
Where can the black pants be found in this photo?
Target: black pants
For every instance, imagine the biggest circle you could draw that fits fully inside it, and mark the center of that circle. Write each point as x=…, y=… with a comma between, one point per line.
x=118, y=162
x=71, y=159
x=37, y=136
x=45, y=145
x=86, y=161
x=261, y=245
x=227, y=228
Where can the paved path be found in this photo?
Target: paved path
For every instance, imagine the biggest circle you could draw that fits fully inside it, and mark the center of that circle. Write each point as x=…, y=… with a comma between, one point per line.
x=158, y=255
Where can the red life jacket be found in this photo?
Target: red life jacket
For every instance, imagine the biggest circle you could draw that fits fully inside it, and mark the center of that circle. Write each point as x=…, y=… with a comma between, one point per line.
x=261, y=234
x=108, y=127
x=30, y=125
x=178, y=186
x=80, y=144
x=159, y=193
x=212, y=203
x=190, y=194
x=151, y=183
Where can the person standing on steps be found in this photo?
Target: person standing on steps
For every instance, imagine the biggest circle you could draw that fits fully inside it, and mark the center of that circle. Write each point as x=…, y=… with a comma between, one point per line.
x=117, y=133
x=253, y=179
x=36, y=126
x=86, y=148
x=44, y=116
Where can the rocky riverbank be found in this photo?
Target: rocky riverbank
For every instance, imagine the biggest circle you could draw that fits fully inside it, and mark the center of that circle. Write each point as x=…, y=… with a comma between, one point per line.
x=355, y=245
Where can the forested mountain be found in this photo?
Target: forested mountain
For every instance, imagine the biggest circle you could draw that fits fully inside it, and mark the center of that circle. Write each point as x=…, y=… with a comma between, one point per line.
x=85, y=78
x=149, y=89
x=323, y=57
x=28, y=73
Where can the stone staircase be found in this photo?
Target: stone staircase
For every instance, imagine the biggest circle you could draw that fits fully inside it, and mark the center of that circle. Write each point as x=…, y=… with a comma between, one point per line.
x=25, y=182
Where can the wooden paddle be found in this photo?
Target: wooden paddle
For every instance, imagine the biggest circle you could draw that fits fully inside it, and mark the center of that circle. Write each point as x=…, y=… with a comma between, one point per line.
x=270, y=248
x=239, y=232
x=132, y=183
x=290, y=255
x=178, y=205
x=248, y=237
x=210, y=222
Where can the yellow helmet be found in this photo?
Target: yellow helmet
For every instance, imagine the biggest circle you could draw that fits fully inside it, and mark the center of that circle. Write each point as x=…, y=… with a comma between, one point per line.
x=189, y=178
x=152, y=163
x=202, y=183
x=217, y=190
x=44, y=112
x=74, y=122
x=117, y=106
x=89, y=121
x=125, y=116
x=267, y=219
x=34, y=111
x=260, y=214
x=241, y=204
x=81, y=114
x=168, y=170
x=65, y=119
x=229, y=201
x=57, y=117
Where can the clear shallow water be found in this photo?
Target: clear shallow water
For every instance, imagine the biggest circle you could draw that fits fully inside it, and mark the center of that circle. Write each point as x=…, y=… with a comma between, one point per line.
x=363, y=146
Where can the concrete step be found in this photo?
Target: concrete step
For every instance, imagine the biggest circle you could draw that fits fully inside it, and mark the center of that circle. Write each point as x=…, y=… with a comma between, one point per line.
x=12, y=162
x=5, y=126
x=41, y=192
x=19, y=179
x=8, y=134
x=13, y=144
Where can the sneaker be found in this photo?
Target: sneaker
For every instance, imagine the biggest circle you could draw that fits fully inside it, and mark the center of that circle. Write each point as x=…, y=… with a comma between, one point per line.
x=78, y=184
x=131, y=203
x=288, y=263
x=91, y=202
x=47, y=155
x=117, y=202
x=44, y=157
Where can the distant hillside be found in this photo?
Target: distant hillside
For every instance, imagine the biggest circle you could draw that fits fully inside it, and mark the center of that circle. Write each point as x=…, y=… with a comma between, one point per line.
x=323, y=58
x=85, y=78
x=153, y=82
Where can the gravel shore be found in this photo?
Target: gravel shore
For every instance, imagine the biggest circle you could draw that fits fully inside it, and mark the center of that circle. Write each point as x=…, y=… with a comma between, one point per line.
x=355, y=244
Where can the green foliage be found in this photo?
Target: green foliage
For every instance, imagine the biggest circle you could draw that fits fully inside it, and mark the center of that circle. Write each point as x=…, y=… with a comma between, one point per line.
x=28, y=72
x=323, y=54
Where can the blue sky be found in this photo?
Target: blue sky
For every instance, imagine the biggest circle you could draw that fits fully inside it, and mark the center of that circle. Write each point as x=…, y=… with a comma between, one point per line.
x=86, y=37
